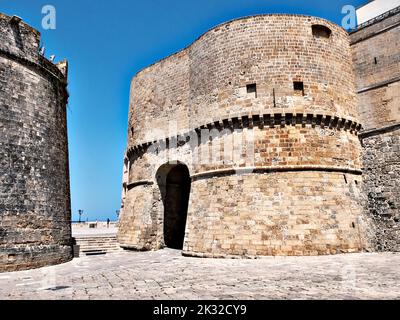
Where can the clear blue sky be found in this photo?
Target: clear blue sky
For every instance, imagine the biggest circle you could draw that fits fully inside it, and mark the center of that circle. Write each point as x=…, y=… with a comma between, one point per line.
x=106, y=43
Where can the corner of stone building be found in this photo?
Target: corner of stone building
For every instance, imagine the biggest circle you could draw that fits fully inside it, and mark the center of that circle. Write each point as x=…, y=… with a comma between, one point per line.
x=63, y=67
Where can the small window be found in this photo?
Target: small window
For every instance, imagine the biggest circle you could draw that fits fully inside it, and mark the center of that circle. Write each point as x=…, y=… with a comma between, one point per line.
x=320, y=31
x=376, y=60
x=252, y=89
x=298, y=88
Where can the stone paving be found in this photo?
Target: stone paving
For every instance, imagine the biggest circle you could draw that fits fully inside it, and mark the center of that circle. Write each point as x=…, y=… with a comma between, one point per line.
x=167, y=275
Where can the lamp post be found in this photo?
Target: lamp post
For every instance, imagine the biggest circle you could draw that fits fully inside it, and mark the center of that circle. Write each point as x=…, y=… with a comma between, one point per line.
x=80, y=212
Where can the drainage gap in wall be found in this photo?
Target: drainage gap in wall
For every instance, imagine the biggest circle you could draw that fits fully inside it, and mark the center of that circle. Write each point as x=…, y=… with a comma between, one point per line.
x=298, y=87
x=252, y=89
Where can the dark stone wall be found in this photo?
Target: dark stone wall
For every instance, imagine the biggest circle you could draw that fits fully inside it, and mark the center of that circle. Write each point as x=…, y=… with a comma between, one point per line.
x=35, y=209
x=376, y=62
x=381, y=181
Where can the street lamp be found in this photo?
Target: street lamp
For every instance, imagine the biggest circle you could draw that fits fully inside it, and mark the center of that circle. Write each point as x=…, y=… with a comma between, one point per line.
x=80, y=212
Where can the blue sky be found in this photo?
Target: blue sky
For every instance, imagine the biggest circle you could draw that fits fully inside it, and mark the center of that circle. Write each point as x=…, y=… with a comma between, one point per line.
x=106, y=43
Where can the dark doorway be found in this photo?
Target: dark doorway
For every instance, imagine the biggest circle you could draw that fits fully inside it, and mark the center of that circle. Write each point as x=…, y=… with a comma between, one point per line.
x=174, y=183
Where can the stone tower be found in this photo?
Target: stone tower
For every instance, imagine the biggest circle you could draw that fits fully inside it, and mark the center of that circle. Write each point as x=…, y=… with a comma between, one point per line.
x=34, y=176
x=246, y=144
x=376, y=48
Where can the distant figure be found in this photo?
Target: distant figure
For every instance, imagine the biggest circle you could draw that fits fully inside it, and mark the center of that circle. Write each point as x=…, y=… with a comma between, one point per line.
x=108, y=223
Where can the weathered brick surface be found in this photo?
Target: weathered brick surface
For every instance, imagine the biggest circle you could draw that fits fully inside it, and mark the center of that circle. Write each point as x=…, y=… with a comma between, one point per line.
x=378, y=83
x=299, y=150
x=382, y=178
x=297, y=213
x=34, y=177
x=379, y=106
x=207, y=81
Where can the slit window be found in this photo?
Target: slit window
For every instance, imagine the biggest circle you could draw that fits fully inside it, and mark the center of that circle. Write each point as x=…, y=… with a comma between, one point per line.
x=252, y=89
x=320, y=31
x=298, y=87
x=376, y=60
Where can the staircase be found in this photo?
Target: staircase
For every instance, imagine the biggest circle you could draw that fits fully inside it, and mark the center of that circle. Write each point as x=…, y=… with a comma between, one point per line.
x=96, y=245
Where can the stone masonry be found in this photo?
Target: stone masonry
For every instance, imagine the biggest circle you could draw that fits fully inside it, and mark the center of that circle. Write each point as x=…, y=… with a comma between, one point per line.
x=376, y=57
x=269, y=135
x=34, y=176
x=260, y=115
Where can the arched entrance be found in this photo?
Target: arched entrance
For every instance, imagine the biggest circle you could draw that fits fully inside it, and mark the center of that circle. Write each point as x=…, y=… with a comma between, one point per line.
x=174, y=183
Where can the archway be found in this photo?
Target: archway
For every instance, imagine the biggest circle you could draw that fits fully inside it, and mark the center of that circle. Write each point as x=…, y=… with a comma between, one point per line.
x=174, y=183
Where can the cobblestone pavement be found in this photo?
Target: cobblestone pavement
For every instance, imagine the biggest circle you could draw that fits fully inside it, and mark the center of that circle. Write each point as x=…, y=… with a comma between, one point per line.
x=167, y=275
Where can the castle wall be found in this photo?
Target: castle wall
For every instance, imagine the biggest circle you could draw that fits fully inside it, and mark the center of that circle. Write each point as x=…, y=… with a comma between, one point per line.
x=271, y=52
x=376, y=60
x=34, y=176
x=289, y=213
x=164, y=84
x=382, y=178
x=293, y=146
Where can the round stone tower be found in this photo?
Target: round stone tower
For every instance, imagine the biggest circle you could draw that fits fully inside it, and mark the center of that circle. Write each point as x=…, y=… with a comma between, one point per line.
x=245, y=144
x=34, y=176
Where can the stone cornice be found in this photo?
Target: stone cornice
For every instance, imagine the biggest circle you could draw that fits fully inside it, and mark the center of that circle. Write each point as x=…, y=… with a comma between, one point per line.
x=378, y=131
x=271, y=120
x=257, y=170
x=379, y=85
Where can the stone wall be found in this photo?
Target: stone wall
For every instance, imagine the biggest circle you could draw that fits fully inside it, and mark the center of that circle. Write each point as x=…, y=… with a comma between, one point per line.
x=34, y=176
x=376, y=60
x=207, y=81
x=297, y=146
x=382, y=179
x=291, y=213
x=377, y=67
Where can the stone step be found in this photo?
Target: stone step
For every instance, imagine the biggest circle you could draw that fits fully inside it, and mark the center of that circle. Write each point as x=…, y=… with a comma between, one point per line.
x=96, y=243
x=96, y=239
x=89, y=246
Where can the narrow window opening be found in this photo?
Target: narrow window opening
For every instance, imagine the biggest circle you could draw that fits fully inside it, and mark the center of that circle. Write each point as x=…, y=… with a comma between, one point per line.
x=345, y=178
x=252, y=89
x=273, y=93
x=353, y=225
x=376, y=60
x=356, y=181
x=320, y=31
x=298, y=88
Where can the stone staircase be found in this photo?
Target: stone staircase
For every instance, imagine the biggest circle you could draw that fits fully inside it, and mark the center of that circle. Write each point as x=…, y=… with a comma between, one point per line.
x=96, y=245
